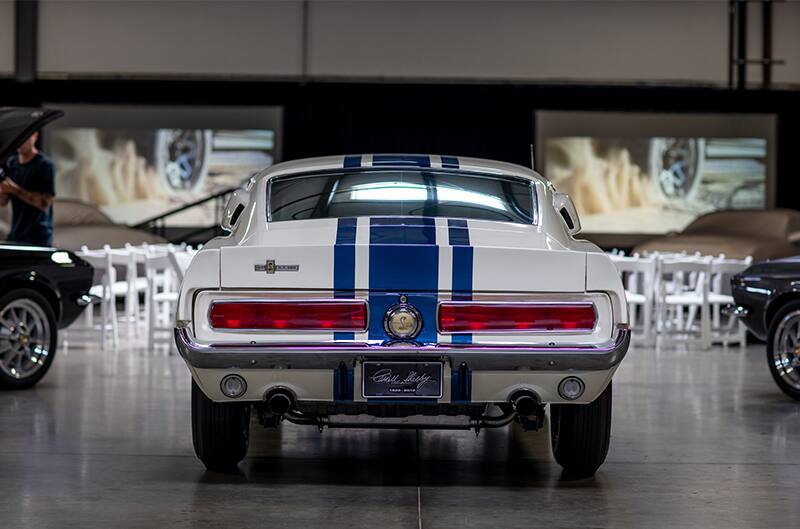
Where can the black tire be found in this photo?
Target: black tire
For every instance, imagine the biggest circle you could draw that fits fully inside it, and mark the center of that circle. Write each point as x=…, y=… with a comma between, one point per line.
x=220, y=431
x=8, y=381
x=791, y=390
x=580, y=434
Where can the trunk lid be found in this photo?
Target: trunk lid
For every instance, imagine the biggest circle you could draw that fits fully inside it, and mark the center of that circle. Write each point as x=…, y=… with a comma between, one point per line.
x=403, y=254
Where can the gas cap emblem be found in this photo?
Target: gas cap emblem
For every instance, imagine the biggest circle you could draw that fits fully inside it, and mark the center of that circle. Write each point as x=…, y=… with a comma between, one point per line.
x=402, y=322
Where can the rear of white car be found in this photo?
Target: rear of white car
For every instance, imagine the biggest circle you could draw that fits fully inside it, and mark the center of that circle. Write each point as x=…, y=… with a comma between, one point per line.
x=402, y=291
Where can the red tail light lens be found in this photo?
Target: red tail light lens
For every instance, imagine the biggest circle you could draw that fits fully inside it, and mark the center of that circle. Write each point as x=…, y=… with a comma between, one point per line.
x=508, y=317
x=334, y=315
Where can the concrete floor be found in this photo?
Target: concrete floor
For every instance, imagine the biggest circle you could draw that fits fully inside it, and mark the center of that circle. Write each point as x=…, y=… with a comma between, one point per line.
x=700, y=439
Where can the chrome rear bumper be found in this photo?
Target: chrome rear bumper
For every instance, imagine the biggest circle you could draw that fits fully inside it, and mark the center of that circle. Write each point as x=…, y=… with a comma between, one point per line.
x=329, y=355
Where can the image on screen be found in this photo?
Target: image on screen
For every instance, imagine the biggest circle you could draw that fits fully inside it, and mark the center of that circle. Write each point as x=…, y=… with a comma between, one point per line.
x=134, y=170
x=656, y=185
x=630, y=173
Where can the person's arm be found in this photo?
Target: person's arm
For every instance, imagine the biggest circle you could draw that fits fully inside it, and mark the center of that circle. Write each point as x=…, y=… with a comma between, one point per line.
x=36, y=199
x=4, y=198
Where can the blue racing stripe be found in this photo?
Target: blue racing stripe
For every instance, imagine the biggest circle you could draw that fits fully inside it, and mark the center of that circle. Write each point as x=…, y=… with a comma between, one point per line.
x=449, y=162
x=380, y=160
x=344, y=266
x=352, y=161
x=463, y=253
x=402, y=230
x=403, y=259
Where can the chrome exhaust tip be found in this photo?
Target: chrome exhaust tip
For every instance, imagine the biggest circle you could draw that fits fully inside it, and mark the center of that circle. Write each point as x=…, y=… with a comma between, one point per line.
x=279, y=401
x=525, y=402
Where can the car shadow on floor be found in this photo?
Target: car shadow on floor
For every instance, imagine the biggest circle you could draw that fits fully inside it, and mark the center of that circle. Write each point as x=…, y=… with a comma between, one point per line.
x=506, y=457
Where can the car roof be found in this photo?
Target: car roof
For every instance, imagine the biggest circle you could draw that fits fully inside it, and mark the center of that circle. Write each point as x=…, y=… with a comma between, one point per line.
x=402, y=161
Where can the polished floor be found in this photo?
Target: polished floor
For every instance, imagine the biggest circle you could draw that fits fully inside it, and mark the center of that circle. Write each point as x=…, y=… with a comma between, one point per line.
x=700, y=439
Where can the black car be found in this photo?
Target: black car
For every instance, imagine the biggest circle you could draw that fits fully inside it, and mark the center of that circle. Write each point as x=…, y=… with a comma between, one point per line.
x=41, y=289
x=767, y=297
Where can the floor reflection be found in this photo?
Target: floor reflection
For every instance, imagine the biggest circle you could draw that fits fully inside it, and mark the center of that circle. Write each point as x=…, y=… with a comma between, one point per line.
x=700, y=438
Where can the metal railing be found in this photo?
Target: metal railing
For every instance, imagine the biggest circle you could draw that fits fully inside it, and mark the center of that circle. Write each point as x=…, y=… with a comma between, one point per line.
x=158, y=225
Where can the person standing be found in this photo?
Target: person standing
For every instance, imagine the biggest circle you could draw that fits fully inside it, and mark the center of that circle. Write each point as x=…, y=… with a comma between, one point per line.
x=30, y=186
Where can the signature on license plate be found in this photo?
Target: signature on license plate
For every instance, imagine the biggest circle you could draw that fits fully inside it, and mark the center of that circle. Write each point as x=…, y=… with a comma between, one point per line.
x=402, y=379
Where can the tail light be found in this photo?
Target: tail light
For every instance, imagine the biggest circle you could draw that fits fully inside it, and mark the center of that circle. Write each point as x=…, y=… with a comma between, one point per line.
x=333, y=315
x=467, y=316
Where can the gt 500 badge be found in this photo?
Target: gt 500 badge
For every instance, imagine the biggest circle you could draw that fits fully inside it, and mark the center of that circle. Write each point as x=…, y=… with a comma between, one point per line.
x=270, y=267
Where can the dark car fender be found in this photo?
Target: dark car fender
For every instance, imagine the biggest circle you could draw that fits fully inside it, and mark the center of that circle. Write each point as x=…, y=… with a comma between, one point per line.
x=63, y=278
x=781, y=295
x=37, y=282
x=762, y=290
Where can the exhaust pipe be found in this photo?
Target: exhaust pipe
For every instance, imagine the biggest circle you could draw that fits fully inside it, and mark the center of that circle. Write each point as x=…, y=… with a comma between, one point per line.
x=525, y=402
x=279, y=401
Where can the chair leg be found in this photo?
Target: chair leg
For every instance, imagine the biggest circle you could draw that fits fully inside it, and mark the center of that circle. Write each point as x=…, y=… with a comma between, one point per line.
x=130, y=308
x=114, y=323
x=705, y=325
x=103, y=319
x=148, y=306
x=692, y=315
x=151, y=324
x=742, y=334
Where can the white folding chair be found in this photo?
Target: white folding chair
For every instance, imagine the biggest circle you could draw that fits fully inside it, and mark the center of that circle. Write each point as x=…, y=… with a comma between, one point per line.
x=684, y=282
x=638, y=275
x=104, y=279
x=139, y=255
x=180, y=261
x=722, y=269
x=131, y=286
x=162, y=294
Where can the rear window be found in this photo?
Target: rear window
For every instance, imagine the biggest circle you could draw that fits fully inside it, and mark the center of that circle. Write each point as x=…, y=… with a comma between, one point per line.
x=401, y=193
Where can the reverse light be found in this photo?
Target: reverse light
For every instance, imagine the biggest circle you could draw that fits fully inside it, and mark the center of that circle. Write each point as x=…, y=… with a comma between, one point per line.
x=233, y=386
x=333, y=315
x=471, y=317
x=571, y=388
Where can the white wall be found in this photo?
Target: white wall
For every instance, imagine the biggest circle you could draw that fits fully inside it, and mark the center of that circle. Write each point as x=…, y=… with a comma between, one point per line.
x=170, y=37
x=629, y=41
x=6, y=37
x=601, y=40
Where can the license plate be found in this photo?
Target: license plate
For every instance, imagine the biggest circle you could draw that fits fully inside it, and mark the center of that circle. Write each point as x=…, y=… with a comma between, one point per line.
x=401, y=380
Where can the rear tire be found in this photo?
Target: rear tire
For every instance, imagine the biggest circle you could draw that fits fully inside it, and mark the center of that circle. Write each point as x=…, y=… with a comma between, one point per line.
x=220, y=431
x=580, y=434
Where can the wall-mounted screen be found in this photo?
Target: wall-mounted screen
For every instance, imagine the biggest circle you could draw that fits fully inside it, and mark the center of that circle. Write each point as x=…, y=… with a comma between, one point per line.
x=651, y=173
x=139, y=162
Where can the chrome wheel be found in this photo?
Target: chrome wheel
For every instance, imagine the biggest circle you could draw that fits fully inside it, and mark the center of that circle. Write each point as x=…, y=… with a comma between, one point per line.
x=786, y=349
x=24, y=338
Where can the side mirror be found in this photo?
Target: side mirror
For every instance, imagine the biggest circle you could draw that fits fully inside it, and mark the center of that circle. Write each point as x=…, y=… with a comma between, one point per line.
x=234, y=209
x=569, y=214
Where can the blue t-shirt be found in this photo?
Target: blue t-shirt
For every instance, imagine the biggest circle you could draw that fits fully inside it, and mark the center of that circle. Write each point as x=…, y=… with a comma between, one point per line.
x=30, y=225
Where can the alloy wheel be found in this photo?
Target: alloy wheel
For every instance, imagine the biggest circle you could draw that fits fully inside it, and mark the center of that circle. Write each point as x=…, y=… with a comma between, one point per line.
x=786, y=349
x=24, y=338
